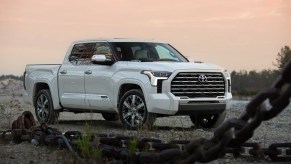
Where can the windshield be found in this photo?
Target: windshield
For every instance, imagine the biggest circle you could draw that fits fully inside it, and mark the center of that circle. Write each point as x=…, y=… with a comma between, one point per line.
x=146, y=52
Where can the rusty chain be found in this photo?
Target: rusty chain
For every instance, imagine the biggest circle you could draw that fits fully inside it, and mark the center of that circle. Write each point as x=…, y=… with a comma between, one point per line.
x=234, y=132
x=229, y=137
x=152, y=150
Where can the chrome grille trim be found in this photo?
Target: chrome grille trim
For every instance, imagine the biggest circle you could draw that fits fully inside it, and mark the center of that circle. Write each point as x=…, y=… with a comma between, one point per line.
x=187, y=84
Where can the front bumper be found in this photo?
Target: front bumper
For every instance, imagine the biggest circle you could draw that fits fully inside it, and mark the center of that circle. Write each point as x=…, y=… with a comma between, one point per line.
x=210, y=107
x=168, y=104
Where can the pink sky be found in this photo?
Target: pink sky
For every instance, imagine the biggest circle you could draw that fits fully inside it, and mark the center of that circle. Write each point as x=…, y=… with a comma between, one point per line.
x=242, y=34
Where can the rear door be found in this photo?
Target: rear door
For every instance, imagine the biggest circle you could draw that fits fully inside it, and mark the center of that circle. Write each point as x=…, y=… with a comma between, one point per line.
x=72, y=74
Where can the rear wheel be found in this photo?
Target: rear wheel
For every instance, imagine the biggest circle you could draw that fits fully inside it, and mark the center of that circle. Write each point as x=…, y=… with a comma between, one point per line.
x=110, y=116
x=207, y=120
x=133, y=111
x=44, y=109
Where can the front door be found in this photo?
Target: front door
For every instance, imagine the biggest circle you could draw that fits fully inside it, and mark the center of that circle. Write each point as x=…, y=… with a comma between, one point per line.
x=98, y=82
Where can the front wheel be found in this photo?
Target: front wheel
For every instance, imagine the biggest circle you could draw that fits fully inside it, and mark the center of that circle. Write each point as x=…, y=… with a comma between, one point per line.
x=208, y=120
x=44, y=109
x=133, y=111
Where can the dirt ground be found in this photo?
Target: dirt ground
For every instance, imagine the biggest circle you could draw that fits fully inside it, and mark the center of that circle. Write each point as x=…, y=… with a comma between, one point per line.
x=166, y=129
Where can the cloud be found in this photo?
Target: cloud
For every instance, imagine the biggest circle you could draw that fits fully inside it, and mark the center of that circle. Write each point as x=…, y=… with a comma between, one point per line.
x=22, y=20
x=275, y=12
x=170, y=22
x=240, y=16
x=243, y=16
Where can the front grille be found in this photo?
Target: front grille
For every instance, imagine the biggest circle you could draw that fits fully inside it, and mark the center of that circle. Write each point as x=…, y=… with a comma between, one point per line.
x=198, y=84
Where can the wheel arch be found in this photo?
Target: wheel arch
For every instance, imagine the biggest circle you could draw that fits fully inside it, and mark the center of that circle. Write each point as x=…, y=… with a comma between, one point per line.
x=37, y=87
x=44, y=85
x=126, y=87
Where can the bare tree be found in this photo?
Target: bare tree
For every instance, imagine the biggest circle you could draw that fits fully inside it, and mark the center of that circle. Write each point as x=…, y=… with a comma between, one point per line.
x=283, y=57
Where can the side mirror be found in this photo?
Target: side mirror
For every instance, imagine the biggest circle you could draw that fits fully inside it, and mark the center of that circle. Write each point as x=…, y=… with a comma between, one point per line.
x=101, y=59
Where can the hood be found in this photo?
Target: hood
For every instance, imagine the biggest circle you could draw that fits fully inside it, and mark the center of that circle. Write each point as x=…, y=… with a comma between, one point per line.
x=173, y=66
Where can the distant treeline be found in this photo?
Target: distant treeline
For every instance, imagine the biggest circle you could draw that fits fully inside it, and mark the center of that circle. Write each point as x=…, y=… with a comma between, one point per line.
x=3, y=77
x=246, y=83
x=250, y=83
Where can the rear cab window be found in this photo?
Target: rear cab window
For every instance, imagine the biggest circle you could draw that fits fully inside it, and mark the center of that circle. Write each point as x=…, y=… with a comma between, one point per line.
x=82, y=53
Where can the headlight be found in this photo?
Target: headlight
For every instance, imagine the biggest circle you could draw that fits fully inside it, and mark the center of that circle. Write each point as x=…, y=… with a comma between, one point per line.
x=154, y=76
x=226, y=74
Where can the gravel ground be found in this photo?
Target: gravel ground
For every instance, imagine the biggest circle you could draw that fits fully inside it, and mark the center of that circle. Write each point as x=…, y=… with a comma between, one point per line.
x=166, y=129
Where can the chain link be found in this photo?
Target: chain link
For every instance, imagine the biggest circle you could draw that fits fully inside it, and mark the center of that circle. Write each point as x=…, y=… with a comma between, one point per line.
x=235, y=132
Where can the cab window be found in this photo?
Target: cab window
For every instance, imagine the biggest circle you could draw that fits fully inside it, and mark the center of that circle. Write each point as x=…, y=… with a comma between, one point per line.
x=81, y=53
x=104, y=49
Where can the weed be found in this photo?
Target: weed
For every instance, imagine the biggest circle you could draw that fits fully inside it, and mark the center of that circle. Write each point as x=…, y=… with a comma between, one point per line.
x=88, y=146
x=133, y=146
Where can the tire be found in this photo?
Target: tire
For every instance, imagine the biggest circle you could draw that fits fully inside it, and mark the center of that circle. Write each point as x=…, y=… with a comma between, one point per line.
x=133, y=111
x=208, y=120
x=44, y=109
x=110, y=116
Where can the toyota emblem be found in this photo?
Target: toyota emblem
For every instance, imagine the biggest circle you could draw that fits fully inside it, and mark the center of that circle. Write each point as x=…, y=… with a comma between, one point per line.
x=202, y=78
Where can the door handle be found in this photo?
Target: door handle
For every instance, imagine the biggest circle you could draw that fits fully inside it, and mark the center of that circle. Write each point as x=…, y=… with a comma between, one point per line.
x=88, y=72
x=63, y=72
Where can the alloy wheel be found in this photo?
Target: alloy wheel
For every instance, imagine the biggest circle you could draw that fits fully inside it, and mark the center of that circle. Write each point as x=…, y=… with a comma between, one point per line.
x=133, y=111
x=42, y=107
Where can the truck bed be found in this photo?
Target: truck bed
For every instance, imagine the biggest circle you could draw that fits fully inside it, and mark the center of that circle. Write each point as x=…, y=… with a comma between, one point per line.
x=41, y=73
x=42, y=68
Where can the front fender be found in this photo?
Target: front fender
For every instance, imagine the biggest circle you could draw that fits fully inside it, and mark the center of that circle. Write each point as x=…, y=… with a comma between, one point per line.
x=142, y=81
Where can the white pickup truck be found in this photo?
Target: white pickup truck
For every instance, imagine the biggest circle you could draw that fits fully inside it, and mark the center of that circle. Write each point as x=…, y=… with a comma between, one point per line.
x=131, y=80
